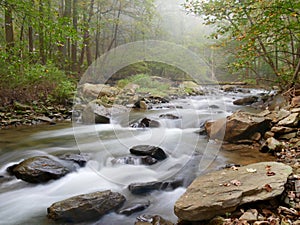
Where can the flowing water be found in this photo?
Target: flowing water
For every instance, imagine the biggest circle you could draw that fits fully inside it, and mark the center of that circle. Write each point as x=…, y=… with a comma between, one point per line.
x=189, y=155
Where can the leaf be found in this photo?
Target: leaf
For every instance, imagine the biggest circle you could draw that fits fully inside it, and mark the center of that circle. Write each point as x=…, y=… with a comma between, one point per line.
x=236, y=182
x=251, y=170
x=268, y=188
x=270, y=173
x=268, y=168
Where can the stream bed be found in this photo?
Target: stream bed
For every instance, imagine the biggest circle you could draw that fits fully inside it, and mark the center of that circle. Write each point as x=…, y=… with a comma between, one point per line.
x=189, y=155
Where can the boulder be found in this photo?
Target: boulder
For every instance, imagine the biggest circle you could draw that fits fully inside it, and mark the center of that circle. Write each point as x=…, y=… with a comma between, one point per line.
x=133, y=208
x=290, y=121
x=93, y=91
x=39, y=169
x=246, y=101
x=85, y=207
x=143, y=188
x=282, y=130
x=271, y=144
x=221, y=192
x=97, y=113
x=148, y=150
x=238, y=126
x=191, y=87
x=152, y=220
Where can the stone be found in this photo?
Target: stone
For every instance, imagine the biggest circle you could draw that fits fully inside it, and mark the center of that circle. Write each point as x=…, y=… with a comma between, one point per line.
x=169, y=116
x=143, y=188
x=246, y=101
x=86, y=207
x=228, y=88
x=80, y=159
x=145, y=122
x=148, y=150
x=269, y=134
x=191, y=87
x=97, y=113
x=281, y=114
x=288, y=136
x=152, y=220
x=215, y=193
x=93, y=91
x=40, y=169
x=133, y=208
x=295, y=110
x=271, y=144
x=250, y=215
x=291, y=120
x=238, y=126
x=282, y=130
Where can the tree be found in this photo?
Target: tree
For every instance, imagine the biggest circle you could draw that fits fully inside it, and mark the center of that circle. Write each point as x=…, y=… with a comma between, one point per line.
x=262, y=29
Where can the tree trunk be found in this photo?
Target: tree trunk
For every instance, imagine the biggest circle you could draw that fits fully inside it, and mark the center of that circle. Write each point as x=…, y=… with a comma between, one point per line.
x=41, y=33
x=9, y=30
x=74, y=43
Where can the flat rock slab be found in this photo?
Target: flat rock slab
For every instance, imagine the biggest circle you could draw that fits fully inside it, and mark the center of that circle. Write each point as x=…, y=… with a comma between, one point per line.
x=86, y=207
x=223, y=191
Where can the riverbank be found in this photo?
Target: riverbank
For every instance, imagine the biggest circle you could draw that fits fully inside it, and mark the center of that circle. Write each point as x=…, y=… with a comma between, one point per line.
x=180, y=120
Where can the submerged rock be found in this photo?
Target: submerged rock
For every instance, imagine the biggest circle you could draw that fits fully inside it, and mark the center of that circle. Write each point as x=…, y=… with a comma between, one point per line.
x=142, y=188
x=144, y=160
x=86, y=207
x=148, y=150
x=133, y=208
x=169, y=116
x=221, y=192
x=39, y=169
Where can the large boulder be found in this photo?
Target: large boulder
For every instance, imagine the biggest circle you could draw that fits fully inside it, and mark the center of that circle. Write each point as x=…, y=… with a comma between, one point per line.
x=98, y=113
x=86, y=207
x=148, y=150
x=221, y=192
x=39, y=169
x=238, y=126
x=93, y=91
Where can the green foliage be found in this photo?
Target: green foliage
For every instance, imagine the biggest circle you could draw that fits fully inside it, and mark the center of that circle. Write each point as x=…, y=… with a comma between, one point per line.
x=147, y=84
x=260, y=30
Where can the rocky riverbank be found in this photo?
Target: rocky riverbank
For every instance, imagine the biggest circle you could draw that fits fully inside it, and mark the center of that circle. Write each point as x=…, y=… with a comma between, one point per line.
x=262, y=193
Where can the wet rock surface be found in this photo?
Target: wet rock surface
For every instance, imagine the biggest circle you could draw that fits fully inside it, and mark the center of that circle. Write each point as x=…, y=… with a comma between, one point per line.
x=145, y=122
x=39, y=169
x=80, y=158
x=221, y=192
x=148, y=150
x=85, y=207
x=131, y=208
x=143, y=188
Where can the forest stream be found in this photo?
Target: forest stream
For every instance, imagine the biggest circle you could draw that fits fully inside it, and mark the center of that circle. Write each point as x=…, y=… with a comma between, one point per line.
x=189, y=155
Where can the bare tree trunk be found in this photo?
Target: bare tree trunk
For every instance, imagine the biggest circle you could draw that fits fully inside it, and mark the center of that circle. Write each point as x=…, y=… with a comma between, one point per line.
x=41, y=33
x=9, y=30
x=74, y=43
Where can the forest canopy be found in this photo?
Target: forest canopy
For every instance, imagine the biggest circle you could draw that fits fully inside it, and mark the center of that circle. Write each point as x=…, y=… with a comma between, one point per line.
x=257, y=34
